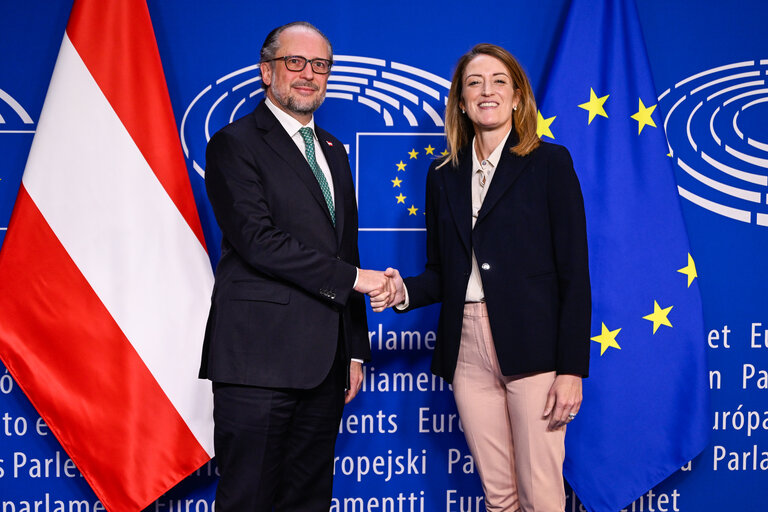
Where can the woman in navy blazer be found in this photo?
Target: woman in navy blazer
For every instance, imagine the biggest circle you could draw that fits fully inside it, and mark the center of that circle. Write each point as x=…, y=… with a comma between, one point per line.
x=507, y=257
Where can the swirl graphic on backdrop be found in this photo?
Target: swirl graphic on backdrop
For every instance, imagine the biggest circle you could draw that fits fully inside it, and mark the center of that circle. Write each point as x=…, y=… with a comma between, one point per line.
x=400, y=114
x=400, y=94
x=13, y=117
x=718, y=137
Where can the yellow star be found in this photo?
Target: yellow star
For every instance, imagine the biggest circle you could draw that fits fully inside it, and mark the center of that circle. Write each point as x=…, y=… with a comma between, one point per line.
x=413, y=153
x=543, y=126
x=659, y=316
x=690, y=270
x=595, y=105
x=445, y=152
x=607, y=339
x=400, y=198
x=401, y=166
x=643, y=116
x=396, y=182
x=429, y=150
x=412, y=210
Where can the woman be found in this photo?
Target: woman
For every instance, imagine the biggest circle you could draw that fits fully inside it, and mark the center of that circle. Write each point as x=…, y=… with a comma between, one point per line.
x=507, y=257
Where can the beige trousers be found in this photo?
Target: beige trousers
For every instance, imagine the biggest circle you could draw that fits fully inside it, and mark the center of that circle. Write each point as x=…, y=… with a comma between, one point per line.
x=519, y=461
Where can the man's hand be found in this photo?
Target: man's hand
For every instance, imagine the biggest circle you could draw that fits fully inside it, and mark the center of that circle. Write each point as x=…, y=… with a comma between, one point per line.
x=395, y=295
x=355, y=380
x=373, y=282
x=563, y=401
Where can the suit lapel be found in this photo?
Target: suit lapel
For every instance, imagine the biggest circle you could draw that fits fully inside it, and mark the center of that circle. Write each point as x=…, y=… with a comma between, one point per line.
x=333, y=156
x=458, y=191
x=509, y=169
x=277, y=138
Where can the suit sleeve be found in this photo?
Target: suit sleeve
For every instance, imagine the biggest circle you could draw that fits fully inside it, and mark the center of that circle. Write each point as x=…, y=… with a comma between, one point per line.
x=426, y=288
x=569, y=238
x=236, y=192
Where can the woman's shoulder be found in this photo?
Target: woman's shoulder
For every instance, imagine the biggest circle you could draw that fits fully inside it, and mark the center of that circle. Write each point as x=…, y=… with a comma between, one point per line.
x=551, y=150
x=553, y=156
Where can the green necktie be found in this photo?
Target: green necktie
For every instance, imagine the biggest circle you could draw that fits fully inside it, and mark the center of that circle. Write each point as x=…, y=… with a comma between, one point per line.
x=309, y=145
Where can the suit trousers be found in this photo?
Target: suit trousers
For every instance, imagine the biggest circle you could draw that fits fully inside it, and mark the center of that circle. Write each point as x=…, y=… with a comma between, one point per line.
x=520, y=462
x=275, y=446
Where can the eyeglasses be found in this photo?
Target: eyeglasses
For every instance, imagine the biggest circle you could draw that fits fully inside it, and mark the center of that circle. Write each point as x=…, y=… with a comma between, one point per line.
x=298, y=63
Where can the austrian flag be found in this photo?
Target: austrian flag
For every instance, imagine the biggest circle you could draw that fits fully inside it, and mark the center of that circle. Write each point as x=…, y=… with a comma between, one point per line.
x=104, y=276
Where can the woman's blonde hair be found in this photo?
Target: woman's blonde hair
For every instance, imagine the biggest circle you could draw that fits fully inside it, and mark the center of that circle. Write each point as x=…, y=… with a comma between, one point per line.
x=458, y=127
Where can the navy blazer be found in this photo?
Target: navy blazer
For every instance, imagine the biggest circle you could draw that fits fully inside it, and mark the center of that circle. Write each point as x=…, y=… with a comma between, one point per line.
x=283, y=298
x=531, y=246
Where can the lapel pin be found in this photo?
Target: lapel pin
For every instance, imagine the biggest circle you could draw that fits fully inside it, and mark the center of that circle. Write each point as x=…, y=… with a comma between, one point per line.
x=329, y=143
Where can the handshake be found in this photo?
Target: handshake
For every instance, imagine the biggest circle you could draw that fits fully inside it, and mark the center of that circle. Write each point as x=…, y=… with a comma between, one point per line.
x=384, y=288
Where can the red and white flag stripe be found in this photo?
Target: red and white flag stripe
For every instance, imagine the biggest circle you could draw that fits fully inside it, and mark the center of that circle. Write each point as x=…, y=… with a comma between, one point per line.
x=104, y=277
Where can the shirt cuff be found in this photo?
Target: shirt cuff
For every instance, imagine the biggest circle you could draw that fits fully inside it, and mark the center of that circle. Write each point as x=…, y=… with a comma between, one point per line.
x=357, y=360
x=357, y=276
x=406, y=302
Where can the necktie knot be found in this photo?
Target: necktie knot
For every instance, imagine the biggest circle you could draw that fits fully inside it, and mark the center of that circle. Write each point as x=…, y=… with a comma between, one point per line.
x=307, y=135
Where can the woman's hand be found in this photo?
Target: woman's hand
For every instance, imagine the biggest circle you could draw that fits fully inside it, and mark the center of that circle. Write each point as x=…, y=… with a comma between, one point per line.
x=563, y=400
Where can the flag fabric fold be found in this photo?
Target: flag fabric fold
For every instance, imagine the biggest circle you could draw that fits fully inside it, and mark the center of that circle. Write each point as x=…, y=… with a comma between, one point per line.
x=646, y=411
x=104, y=276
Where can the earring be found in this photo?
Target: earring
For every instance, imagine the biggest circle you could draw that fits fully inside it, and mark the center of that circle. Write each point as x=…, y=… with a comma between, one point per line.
x=462, y=111
x=514, y=108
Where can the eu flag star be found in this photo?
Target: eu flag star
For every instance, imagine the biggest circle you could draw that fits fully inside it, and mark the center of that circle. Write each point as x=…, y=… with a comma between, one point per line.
x=659, y=316
x=689, y=270
x=401, y=166
x=607, y=339
x=643, y=116
x=396, y=182
x=413, y=153
x=412, y=210
x=400, y=198
x=595, y=106
x=429, y=150
x=543, y=126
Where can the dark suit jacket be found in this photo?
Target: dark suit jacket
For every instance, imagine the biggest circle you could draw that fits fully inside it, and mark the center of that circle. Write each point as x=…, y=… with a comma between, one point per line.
x=282, y=298
x=530, y=243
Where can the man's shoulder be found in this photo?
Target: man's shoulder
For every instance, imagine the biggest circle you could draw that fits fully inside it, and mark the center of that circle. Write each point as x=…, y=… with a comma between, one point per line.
x=324, y=135
x=245, y=124
x=259, y=118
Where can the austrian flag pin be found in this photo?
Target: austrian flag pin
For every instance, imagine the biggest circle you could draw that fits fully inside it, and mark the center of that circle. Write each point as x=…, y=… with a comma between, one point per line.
x=329, y=143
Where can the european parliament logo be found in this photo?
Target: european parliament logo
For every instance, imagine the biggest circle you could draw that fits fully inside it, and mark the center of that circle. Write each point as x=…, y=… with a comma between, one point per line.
x=387, y=114
x=14, y=120
x=13, y=117
x=718, y=138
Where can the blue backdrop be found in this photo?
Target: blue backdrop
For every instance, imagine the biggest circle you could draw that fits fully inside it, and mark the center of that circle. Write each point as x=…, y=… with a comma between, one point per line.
x=384, y=103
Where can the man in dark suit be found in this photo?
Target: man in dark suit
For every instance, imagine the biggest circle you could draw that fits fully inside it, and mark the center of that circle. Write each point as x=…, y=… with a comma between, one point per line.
x=287, y=329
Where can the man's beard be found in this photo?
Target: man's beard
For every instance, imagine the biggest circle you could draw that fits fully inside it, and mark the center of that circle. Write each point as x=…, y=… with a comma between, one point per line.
x=292, y=104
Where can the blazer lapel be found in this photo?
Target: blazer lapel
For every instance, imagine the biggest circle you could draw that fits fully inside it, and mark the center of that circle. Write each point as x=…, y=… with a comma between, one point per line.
x=337, y=167
x=458, y=191
x=509, y=169
x=281, y=142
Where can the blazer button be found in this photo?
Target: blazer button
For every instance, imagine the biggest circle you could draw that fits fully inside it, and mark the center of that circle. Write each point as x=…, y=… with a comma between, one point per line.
x=485, y=266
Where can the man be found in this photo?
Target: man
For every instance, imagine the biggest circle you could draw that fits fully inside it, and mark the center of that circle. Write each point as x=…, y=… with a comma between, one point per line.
x=287, y=314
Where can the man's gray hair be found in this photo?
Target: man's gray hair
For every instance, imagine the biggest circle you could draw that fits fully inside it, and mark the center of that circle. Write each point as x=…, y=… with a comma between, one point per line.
x=271, y=44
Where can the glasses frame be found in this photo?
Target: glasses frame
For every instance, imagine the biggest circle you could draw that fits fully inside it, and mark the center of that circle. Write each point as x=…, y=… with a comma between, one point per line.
x=311, y=62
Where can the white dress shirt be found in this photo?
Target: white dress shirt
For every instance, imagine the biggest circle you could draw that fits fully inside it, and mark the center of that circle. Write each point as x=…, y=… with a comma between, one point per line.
x=292, y=127
x=481, y=181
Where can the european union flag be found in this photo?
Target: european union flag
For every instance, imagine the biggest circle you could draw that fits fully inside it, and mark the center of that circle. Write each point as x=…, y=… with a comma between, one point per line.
x=646, y=410
x=392, y=171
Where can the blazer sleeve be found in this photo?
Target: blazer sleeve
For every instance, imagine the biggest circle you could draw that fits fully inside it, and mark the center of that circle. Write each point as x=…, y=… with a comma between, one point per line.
x=426, y=288
x=569, y=238
x=235, y=190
